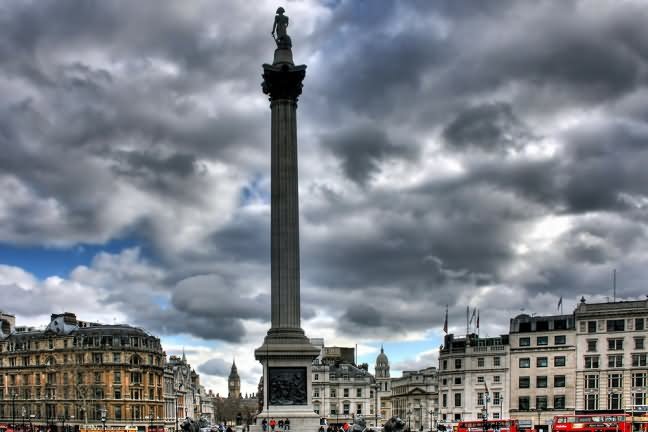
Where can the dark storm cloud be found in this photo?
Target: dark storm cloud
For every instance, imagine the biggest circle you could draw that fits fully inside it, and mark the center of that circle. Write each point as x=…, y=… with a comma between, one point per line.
x=216, y=367
x=363, y=148
x=490, y=127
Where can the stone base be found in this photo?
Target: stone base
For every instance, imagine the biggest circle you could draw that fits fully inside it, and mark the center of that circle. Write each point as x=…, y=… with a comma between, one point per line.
x=288, y=348
x=300, y=420
x=283, y=56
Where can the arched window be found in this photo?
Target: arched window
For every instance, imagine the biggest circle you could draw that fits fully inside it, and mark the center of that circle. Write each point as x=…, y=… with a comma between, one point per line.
x=50, y=361
x=135, y=360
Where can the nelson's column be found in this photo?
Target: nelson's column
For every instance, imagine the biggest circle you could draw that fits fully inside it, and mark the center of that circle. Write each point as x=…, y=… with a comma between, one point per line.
x=286, y=353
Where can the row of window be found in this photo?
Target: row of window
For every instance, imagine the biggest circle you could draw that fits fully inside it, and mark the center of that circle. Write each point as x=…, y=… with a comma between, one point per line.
x=345, y=392
x=97, y=358
x=346, y=409
x=497, y=399
x=480, y=379
x=616, y=380
x=481, y=362
x=541, y=402
x=84, y=341
x=543, y=340
x=542, y=381
x=616, y=344
x=542, y=362
x=52, y=378
x=94, y=413
x=615, y=325
x=614, y=400
x=96, y=393
x=616, y=361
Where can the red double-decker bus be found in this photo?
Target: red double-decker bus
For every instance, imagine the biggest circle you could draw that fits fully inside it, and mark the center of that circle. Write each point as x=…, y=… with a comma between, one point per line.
x=489, y=426
x=593, y=423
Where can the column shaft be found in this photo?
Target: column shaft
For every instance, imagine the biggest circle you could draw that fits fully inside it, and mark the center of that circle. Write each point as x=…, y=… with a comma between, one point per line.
x=285, y=310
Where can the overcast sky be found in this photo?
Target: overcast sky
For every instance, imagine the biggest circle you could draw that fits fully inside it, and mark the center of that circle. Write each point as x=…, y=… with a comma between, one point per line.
x=488, y=154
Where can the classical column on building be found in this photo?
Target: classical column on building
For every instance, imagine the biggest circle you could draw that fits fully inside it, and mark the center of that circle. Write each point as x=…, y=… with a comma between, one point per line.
x=286, y=353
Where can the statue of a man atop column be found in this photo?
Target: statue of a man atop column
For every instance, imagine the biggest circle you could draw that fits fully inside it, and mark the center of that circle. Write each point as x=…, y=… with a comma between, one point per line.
x=279, y=27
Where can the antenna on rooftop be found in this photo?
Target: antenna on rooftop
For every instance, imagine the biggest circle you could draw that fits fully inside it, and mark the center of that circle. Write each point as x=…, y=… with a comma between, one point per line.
x=614, y=285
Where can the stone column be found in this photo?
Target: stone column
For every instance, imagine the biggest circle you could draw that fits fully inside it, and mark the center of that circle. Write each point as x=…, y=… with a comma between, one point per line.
x=283, y=84
x=286, y=353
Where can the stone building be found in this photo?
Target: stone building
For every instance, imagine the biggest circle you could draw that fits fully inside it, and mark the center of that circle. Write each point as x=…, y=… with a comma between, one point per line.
x=341, y=389
x=543, y=368
x=612, y=362
x=468, y=367
x=186, y=383
x=415, y=398
x=77, y=372
x=383, y=382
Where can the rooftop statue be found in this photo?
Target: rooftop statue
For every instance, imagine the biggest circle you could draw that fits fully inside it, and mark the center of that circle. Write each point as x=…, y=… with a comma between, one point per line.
x=279, y=28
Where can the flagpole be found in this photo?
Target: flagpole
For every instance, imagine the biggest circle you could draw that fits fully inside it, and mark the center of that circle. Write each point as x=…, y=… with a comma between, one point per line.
x=467, y=322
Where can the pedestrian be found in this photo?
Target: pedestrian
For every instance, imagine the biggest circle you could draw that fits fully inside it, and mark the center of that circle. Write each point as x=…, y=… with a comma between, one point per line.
x=280, y=423
x=229, y=429
x=273, y=423
x=264, y=425
x=287, y=424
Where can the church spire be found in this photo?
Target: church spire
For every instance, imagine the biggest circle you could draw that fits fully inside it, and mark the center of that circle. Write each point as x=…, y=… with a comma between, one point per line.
x=184, y=357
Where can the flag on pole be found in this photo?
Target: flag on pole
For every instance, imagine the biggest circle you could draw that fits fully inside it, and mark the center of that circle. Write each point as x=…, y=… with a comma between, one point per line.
x=559, y=302
x=472, y=317
x=445, y=323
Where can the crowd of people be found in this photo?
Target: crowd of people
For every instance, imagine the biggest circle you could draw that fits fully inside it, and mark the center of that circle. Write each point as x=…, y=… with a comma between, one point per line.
x=274, y=425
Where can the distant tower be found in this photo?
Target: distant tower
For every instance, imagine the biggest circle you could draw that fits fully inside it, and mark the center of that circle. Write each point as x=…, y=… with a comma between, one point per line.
x=234, y=382
x=382, y=365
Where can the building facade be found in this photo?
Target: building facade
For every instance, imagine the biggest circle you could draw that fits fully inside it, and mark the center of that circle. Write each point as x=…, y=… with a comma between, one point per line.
x=542, y=369
x=612, y=362
x=342, y=390
x=469, y=368
x=415, y=398
x=78, y=373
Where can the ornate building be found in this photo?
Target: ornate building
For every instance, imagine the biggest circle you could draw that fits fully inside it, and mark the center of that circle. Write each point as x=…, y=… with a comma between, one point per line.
x=469, y=368
x=543, y=369
x=186, y=384
x=415, y=398
x=77, y=373
x=611, y=356
x=341, y=389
